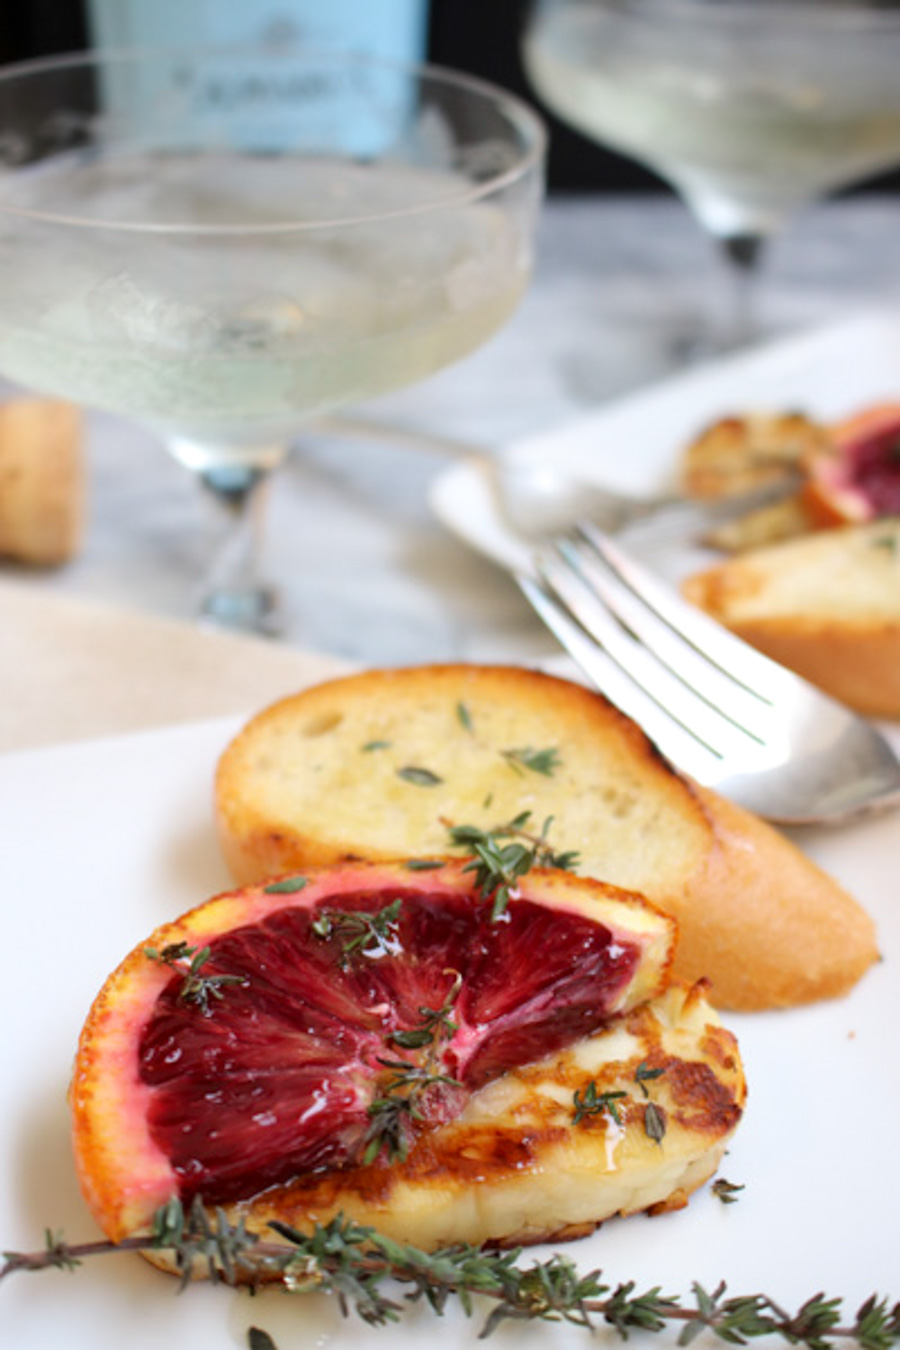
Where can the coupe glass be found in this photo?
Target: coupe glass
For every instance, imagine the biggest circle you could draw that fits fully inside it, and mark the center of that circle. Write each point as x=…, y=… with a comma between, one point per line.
x=748, y=108
x=222, y=245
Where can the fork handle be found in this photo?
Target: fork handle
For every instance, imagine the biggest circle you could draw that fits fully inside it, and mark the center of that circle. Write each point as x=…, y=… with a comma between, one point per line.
x=690, y=513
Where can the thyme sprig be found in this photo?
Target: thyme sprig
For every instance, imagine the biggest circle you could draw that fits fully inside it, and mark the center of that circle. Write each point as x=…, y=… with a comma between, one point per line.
x=524, y=757
x=227, y=1251
x=590, y=1102
x=499, y=865
x=364, y=1269
x=435, y=1024
x=189, y=962
x=359, y=932
x=727, y=1191
x=644, y=1074
x=400, y=1102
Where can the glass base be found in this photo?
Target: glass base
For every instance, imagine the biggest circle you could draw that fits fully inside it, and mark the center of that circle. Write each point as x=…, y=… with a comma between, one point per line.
x=235, y=595
x=255, y=610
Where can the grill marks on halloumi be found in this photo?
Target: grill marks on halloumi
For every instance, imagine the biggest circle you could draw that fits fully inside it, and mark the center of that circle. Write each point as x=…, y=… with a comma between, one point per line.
x=515, y=1168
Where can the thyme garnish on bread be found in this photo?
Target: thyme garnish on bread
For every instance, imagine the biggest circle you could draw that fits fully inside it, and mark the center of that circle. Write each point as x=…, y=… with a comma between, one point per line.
x=497, y=865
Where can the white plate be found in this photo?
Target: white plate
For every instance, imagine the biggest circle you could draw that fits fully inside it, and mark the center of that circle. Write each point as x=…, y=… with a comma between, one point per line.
x=103, y=841
x=635, y=442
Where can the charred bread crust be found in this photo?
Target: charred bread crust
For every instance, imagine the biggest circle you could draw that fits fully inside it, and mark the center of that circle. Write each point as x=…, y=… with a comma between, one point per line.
x=827, y=606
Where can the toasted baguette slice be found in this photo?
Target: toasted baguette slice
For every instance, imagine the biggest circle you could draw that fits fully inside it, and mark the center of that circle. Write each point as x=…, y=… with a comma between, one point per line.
x=380, y=765
x=514, y=1168
x=827, y=606
x=739, y=453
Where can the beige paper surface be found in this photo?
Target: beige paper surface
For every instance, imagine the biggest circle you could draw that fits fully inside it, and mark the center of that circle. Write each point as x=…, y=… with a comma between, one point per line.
x=71, y=670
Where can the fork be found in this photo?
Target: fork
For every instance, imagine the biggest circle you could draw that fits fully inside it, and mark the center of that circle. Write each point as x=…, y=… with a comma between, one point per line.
x=721, y=711
x=538, y=500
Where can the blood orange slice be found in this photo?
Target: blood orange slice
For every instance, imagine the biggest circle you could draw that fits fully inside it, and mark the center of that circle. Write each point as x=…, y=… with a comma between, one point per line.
x=859, y=479
x=328, y=1021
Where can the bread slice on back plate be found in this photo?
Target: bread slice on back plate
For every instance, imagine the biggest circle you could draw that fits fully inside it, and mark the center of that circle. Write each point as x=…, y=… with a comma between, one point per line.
x=385, y=764
x=745, y=451
x=827, y=606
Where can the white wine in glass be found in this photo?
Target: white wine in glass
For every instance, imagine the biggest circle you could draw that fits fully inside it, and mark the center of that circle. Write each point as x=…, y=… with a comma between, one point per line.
x=222, y=245
x=748, y=108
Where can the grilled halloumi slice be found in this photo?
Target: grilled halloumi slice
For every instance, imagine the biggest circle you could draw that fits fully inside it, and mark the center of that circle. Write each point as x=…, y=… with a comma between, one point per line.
x=515, y=1167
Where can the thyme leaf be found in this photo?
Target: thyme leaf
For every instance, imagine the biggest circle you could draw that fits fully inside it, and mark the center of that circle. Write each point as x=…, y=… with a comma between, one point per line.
x=258, y=1339
x=594, y=1103
x=189, y=961
x=286, y=886
x=400, y=1103
x=388, y=1127
x=538, y=761
x=435, y=1025
x=413, y=773
x=727, y=1191
x=361, y=1268
x=497, y=869
x=463, y=716
x=359, y=932
x=654, y=1122
x=643, y=1074
x=498, y=865
x=391, y=1114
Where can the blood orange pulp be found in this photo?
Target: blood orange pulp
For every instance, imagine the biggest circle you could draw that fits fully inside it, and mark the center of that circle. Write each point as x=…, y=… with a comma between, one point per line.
x=859, y=479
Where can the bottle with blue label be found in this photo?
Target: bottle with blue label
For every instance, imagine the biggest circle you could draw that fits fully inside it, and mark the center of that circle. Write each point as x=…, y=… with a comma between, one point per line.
x=396, y=30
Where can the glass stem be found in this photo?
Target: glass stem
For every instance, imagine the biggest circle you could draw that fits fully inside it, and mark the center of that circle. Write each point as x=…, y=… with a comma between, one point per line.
x=236, y=597
x=743, y=255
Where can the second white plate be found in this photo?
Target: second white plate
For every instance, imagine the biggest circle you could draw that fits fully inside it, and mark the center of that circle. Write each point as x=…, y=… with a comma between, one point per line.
x=635, y=442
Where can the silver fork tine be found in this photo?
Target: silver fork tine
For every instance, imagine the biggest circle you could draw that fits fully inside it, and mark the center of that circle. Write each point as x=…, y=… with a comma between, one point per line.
x=680, y=744
x=742, y=664
x=642, y=663
x=722, y=691
x=811, y=760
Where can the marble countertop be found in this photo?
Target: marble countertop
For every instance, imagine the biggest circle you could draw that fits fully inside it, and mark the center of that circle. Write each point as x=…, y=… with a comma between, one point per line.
x=366, y=573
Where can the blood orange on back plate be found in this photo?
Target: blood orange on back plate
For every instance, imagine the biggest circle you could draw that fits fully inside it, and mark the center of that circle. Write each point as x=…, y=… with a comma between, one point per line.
x=858, y=479
x=251, y=1042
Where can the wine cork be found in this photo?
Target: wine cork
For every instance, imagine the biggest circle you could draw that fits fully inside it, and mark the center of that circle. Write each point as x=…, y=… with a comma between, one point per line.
x=42, y=487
